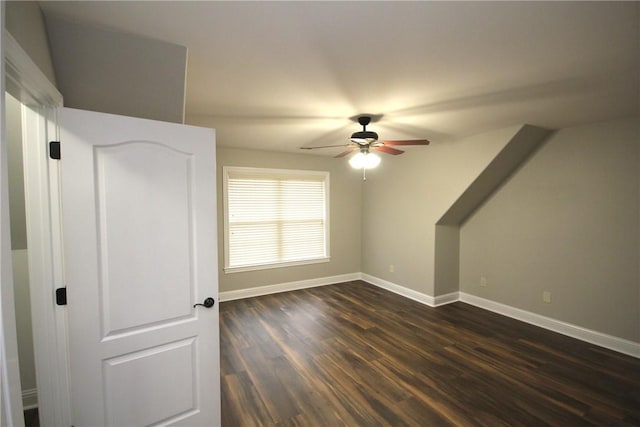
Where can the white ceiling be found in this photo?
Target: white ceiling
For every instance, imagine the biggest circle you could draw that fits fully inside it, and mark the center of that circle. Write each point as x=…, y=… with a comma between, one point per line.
x=279, y=75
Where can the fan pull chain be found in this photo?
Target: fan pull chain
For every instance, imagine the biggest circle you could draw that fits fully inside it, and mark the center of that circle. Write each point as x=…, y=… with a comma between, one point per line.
x=364, y=174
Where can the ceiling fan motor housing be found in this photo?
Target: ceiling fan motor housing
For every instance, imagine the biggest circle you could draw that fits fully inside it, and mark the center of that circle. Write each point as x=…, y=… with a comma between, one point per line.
x=364, y=136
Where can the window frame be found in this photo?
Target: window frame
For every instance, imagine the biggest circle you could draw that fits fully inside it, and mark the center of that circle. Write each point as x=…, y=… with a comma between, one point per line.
x=325, y=177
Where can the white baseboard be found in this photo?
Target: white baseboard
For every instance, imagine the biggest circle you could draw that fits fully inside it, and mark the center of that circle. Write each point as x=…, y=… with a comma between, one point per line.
x=620, y=345
x=446, y=299
x=285, y=287
x=30, y=398
x=400, y=290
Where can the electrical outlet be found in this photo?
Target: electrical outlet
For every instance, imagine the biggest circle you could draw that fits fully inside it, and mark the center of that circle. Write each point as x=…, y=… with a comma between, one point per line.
x=546, y=297
x=483, y=281
x=392, y=268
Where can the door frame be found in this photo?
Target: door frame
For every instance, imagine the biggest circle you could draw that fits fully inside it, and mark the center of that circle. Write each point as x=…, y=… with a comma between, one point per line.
x=40, y=98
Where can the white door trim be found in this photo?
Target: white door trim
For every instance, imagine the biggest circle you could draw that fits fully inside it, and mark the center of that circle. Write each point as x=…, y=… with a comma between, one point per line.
x=45, y=267
x=24, y=80
x=28, y=84
x=10, y=389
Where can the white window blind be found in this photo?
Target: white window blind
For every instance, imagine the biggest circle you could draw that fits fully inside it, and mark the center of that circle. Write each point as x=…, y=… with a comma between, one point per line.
x=275, y=218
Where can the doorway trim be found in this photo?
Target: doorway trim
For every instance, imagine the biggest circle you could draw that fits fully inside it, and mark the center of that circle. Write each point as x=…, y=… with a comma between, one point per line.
x=40, y=98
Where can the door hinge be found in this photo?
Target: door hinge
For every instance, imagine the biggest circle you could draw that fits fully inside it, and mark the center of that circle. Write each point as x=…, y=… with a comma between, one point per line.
x=61, y=296
x=54, y=150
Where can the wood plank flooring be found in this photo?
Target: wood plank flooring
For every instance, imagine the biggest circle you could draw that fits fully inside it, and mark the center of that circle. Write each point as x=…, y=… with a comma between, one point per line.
x=356, y=355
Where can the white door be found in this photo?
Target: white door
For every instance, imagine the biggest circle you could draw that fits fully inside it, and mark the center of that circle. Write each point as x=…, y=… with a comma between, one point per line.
x=139, y=224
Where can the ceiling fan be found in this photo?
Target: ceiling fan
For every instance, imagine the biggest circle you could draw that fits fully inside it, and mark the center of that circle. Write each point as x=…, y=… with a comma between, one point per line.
x=364, y=142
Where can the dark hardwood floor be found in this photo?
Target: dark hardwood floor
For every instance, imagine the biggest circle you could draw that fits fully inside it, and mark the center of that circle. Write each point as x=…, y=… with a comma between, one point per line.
x=356, y=355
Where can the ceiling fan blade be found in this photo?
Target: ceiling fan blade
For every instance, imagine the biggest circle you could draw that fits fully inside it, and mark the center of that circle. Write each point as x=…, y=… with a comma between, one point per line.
x=387, y=150
x=349, y=151
x=324, y=146
x=407, y=142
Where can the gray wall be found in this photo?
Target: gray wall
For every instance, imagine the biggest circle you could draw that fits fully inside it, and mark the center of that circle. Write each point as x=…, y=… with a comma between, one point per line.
x=404, y=198
x=447, y=239
x=568, y=223
x=110, y=72
x=16, y=173
x=22, y=298
x=446, y=259
x=345, y=216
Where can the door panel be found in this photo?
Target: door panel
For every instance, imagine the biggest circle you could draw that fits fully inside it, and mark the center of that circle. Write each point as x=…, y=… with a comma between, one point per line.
x=160, y=245
x=139, y=217
x=170, y=395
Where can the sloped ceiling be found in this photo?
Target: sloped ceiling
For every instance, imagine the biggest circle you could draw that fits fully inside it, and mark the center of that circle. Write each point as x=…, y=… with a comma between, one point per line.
x=280, y=75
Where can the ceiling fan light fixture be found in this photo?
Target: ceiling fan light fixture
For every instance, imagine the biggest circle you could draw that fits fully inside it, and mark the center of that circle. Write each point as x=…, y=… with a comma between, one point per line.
x=364, y=160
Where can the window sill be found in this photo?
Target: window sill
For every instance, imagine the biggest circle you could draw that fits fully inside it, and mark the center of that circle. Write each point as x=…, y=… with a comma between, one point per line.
x=228, y=270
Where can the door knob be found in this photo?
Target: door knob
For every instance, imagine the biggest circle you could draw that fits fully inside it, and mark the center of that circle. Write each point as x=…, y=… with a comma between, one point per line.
x=207, y=303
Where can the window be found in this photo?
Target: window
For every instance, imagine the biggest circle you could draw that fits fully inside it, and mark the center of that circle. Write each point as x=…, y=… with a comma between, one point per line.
x=275, y=218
